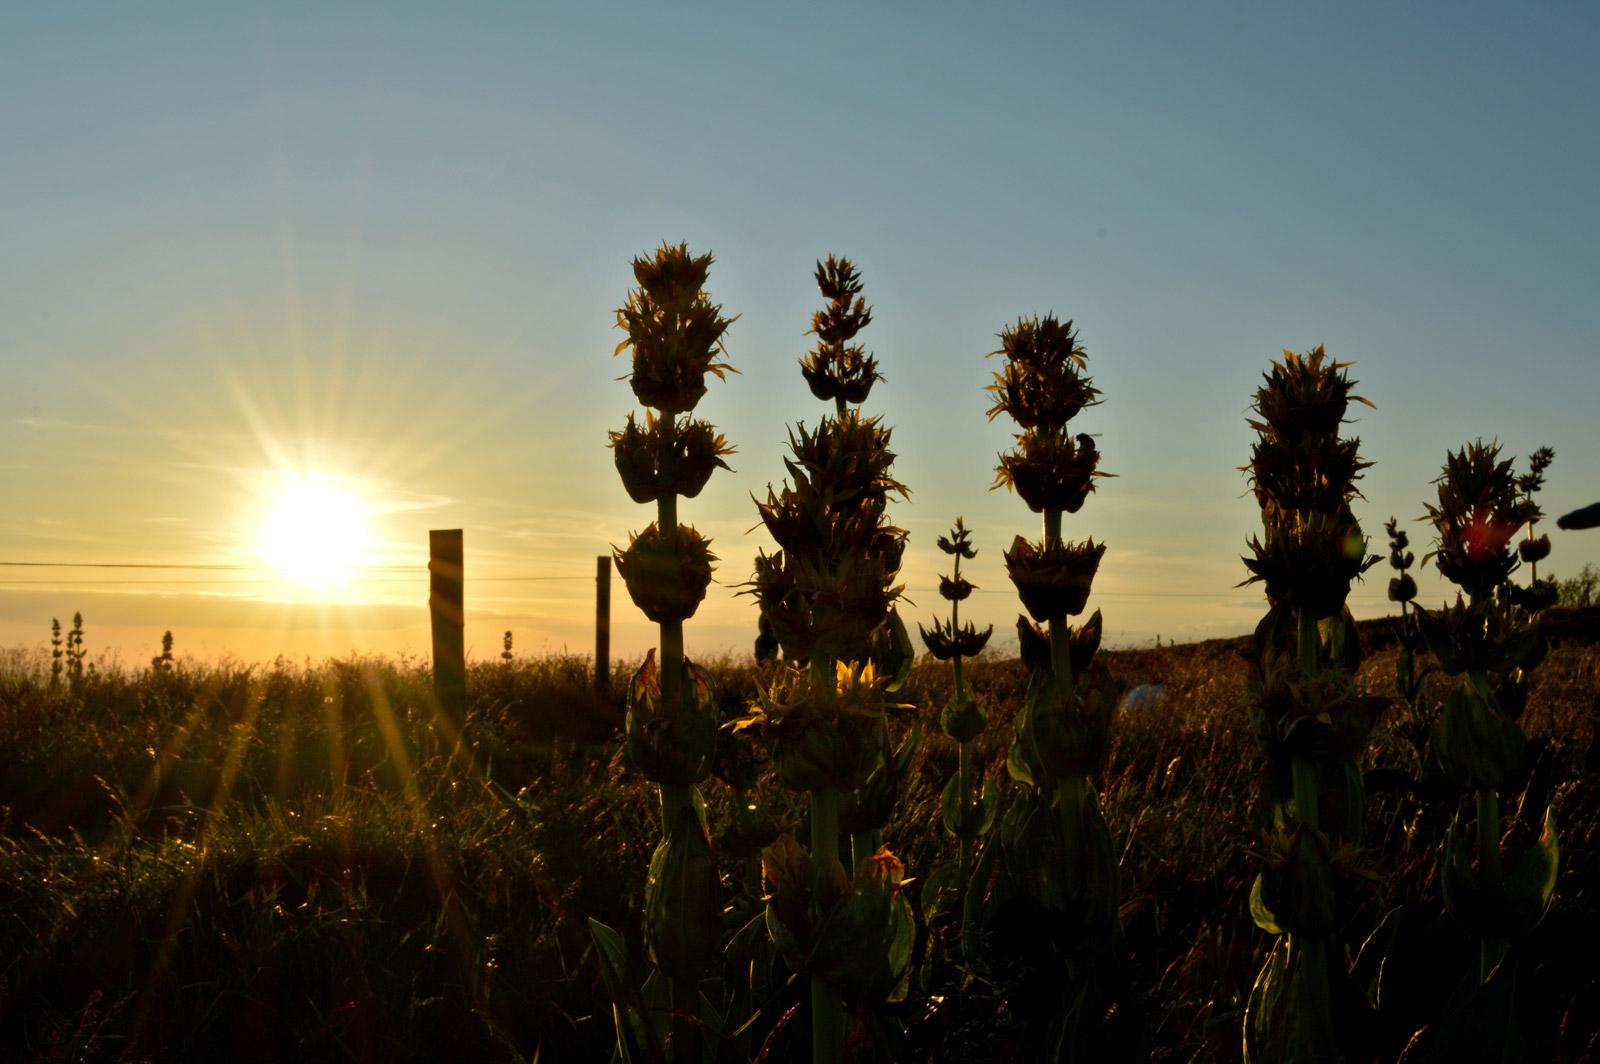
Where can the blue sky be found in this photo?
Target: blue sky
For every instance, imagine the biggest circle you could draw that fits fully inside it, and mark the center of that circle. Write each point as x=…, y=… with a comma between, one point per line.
x=385, y=242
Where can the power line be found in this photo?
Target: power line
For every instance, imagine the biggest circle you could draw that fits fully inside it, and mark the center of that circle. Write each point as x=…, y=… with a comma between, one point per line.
x=194, y=566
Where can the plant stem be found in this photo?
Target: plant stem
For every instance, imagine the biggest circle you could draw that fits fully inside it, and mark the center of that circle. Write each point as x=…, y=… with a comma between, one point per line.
x=1060, y=633
x=1052, y=527
x=1306, y=799
x=1310, y=645
x=1489, y=949
x=827, y=1006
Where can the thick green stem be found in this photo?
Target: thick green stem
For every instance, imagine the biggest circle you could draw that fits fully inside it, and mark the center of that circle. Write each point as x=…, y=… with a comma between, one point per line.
x=827, y=1006
x=1310, y=646
x=1489, y=870
x=1060, y=632
x=683, y=1038
x=671, y=631
x=863, y=844
x=1306, y=800
x=675, y=798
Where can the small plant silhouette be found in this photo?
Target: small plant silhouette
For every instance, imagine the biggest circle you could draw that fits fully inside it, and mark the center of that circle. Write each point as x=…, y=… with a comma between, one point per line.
x=162, y=663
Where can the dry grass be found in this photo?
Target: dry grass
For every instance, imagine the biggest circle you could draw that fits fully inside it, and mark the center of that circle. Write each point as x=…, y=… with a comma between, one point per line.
x=281, y=863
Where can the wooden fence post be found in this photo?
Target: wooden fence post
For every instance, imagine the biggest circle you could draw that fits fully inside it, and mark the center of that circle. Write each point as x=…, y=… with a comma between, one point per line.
x=446, y=608
x=602, y=622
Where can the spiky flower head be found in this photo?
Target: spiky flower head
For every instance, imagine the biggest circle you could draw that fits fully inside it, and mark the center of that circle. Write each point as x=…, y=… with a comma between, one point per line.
x=1309, y=567
x=666, y=573
x=1043, y=383
x=1051, y=470
x=825, y=735
x=666, y=457
x=959, y=541
x=1304, y=477
x=1478, y=513
x=1533, y=480
x=674, y=330
x=832, y=583
x=1053, y=581
x=1299, y=463
x=1305, y=397
x=836, y=369
x=947, y=639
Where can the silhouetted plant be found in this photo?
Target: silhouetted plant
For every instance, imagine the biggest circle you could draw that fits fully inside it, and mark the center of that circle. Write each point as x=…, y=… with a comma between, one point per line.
x=827, y=596
x=1410, y=684
x=1310, y=721
x=57, y=652
x=1051, y=909
x=161, y=664
x=967, y=815
x=675, y=333
x=75, y=654
x=1491, y=640
x=969, y=799
x=1538, y=595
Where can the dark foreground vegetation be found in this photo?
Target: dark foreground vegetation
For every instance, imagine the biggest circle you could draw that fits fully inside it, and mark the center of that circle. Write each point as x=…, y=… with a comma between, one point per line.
x=288, y=863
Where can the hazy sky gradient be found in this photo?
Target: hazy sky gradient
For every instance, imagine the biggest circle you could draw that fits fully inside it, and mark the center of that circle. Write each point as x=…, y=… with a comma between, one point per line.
x=387, y=242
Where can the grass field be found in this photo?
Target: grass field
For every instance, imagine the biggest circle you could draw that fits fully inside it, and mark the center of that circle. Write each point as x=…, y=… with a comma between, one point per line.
x=257, y=863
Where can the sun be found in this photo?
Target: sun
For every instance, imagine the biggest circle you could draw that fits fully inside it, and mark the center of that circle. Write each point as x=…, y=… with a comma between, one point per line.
x=316, y=532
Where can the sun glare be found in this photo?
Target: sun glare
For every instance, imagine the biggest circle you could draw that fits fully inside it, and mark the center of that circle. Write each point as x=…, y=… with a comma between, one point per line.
x=316, y=532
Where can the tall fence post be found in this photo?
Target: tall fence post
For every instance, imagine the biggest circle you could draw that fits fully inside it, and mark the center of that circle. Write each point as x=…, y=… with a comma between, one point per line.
x=446, y=609
x=602, y=622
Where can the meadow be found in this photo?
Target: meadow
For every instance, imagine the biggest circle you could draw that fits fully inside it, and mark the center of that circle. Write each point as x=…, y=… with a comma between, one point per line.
x=307, y=862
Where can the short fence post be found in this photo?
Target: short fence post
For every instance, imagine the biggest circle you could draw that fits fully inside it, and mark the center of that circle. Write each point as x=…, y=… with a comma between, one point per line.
x=446, y=609
x=602, y=622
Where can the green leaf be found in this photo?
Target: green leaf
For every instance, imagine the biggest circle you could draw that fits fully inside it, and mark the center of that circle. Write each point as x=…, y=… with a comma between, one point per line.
x=1481, y=1024
x=974, y=897
x=1463, y=898
x=1532, y=882
x=941, y=889
x=1476, y=744
x=637, y=1039
x=1266, y=1013
x=899, y=653
x=1260, y=913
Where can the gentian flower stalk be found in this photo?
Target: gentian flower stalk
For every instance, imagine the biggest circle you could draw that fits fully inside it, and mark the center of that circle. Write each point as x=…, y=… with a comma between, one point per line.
x=827, y=596
x=674, y=334
x=1491, y=640
x=1310, y=721
x=1059, y=860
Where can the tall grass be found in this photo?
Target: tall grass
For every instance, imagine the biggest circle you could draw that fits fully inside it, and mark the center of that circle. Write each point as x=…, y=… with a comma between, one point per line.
x=305, y=904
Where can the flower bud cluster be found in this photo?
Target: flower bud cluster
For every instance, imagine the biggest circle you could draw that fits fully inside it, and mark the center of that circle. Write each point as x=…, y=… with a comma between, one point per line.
x=967, y=809
x=1304, y=477
x=1057, y=855
x=1042, y=386
x=1478, y=514
x=830, y=586
x=837, y=370
x=674, y=333
x=1310, y=721
x=856, y=932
